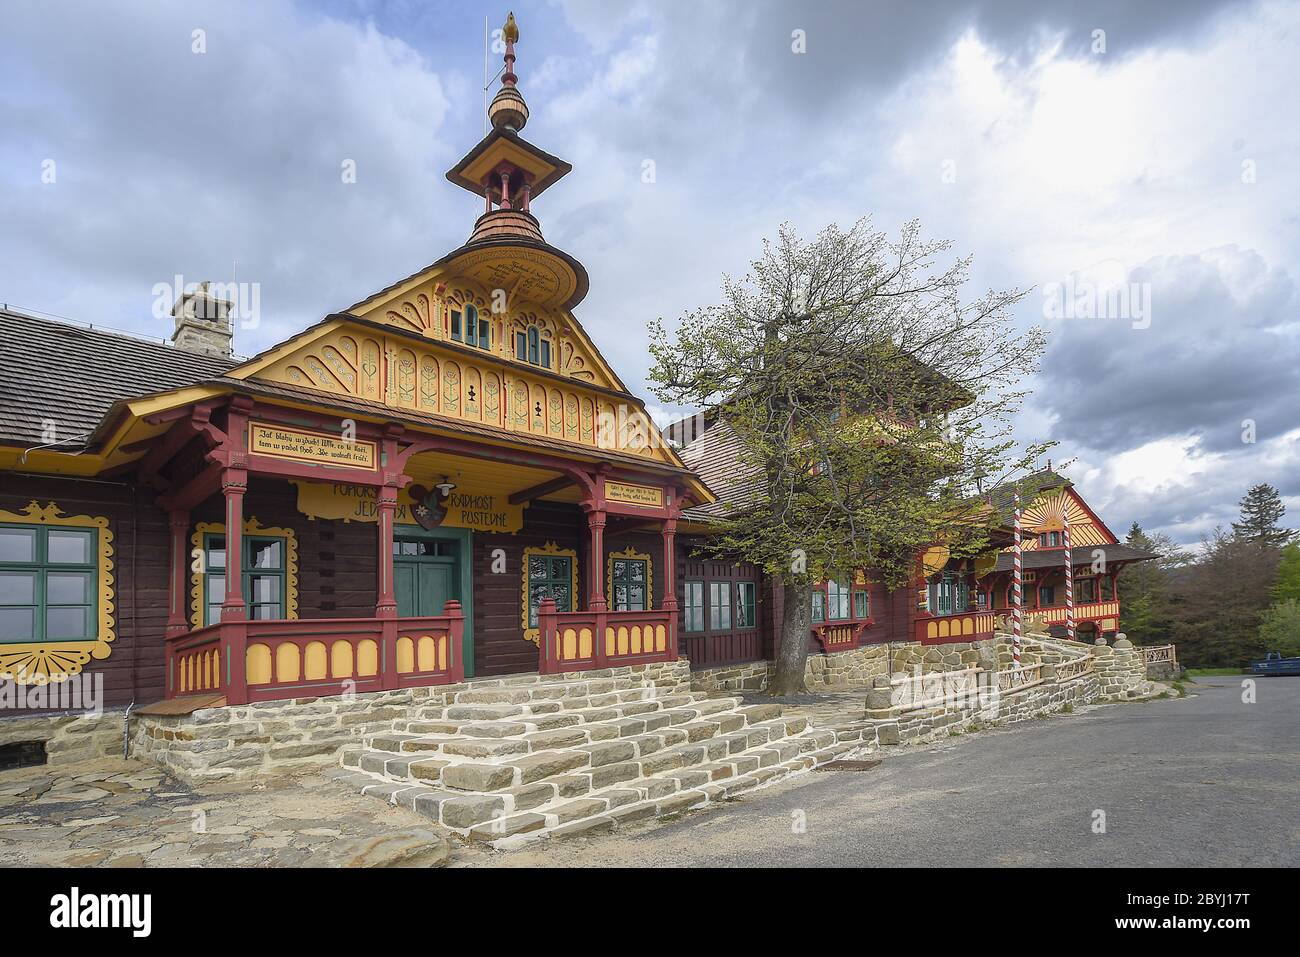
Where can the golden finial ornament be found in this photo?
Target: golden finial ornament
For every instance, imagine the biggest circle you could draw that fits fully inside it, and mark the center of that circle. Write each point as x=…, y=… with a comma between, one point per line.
x=510, y=32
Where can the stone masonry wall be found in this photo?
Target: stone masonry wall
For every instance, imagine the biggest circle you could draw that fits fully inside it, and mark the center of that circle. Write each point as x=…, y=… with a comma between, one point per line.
x=855, y=669
x=68, y=738
x=1122, y=671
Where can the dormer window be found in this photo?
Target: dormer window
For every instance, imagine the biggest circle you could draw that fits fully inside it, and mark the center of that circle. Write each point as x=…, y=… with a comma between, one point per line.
x=530, y=347
x=1049, y=539
x=470, y=328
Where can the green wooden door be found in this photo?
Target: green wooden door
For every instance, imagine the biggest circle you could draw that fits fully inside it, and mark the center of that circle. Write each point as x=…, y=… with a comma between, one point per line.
x=425, y=574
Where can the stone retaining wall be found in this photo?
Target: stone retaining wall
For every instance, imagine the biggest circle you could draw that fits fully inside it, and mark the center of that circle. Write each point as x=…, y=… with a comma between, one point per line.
x=849, y=670
x=926, y=724
x=68, y=738
x=1122, y=671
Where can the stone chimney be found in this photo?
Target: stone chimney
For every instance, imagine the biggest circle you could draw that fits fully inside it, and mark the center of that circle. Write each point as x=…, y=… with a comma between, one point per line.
x=203, y=322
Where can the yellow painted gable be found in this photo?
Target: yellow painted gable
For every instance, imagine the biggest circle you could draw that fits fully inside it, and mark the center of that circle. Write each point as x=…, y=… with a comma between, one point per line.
x=1047, y=514
x=434, y=376
x=425, y=305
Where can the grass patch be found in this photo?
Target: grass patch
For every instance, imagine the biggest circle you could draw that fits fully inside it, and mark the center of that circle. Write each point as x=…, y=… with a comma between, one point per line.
x=1067, y=708
x=1213, y=672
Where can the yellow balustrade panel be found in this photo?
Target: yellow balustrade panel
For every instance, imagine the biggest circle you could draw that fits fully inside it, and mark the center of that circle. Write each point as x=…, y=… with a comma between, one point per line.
x=622, y=639
x=367, y=658
x=315, y=661
x=661, y=638
x=932, y=630
x=257, y=664
x=584, y=643
x=341, y=659
x=288, y=662
x=405, y=655
x=569, y=645
x=968, y=626
x=609, y=640
x=635, y=636
x=427, y=656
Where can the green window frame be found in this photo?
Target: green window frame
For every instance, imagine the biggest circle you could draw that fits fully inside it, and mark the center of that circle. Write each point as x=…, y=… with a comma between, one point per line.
x=1087, y=588
x=746, y=605
x=262, y=572
x=720, y=606
x=861, y=604
x=818, y=605
x=630, y=579
x=455, y=326
x=1046, y=596
x=49, y=583
x=693, y=606
x=549, y=576
x=1107, y=588
x=838, y=598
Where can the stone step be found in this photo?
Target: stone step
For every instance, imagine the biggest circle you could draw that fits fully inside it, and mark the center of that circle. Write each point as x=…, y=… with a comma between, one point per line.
x=559, y=808
x=596, y=765
x=473, y=720
x=686, y=721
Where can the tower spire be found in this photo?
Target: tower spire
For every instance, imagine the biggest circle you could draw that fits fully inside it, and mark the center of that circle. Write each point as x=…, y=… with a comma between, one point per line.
x=508, y=110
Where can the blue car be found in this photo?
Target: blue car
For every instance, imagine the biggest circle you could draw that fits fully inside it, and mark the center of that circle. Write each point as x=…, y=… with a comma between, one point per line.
x=1274, y=664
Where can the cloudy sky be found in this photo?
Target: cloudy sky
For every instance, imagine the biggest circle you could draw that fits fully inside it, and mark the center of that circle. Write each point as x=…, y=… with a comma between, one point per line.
x=1157, y=157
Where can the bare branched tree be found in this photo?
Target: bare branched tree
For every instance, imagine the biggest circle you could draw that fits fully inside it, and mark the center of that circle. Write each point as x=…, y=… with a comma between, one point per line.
x=871, y=402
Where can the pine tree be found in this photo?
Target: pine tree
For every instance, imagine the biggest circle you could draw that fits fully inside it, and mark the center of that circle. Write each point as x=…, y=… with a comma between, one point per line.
x=1261, y=510
x=1145, y=588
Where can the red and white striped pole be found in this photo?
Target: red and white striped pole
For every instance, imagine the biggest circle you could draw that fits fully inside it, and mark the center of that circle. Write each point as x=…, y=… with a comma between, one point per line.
x=1016, y=604
x=1069, y=575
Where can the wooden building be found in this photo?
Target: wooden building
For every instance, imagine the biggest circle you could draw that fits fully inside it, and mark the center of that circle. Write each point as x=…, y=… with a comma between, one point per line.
x=445, y=479
x=1096, y=558
x=442, y=480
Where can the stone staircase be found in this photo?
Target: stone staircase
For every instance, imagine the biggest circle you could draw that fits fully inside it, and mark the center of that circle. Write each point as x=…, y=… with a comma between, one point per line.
x=513, y=760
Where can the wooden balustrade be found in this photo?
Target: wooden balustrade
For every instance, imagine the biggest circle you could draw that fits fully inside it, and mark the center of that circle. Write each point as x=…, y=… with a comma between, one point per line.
x=194, y=663
x=1154, y=653
x=839, y=635
x=944, y=629
x=1012, y=679
x=582, y=640
x=272, y=660
x=1074, y=668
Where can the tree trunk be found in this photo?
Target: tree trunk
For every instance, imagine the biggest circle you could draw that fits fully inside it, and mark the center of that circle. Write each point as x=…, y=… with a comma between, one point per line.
x=792, y=649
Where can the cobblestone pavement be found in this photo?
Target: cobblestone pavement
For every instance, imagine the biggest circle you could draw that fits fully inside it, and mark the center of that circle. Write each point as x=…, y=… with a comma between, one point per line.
x=128, y=814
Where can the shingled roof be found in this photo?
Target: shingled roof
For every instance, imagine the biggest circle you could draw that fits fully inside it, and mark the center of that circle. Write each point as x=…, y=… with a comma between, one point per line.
x=714, y=457
x=1055, y=557
x=1003, y=498
x=72, y=375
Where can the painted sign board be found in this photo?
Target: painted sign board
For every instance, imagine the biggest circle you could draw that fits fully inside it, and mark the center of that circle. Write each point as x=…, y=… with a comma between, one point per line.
x=357, y=503
x=646, y=496
x=301, y=445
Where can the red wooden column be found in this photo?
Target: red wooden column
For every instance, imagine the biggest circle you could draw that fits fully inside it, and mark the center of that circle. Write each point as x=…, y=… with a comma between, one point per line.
x=178, y=524
x=234, y=483
x=234, y=610
x=670, y=566
x=386, y=502
x=596, y=560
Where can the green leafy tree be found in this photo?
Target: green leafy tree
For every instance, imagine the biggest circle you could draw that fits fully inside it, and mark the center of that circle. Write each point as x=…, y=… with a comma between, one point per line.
x=1288, y=574
x=1261, y=511
x=1145, y=588
x=1280, y=628
x=868, y=397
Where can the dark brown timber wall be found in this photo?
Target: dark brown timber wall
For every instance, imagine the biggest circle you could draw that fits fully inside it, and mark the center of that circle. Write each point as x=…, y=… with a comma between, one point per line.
x=133, y=671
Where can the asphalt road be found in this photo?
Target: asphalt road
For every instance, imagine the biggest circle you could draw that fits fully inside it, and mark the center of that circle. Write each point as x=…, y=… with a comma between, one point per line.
x=1201, y=781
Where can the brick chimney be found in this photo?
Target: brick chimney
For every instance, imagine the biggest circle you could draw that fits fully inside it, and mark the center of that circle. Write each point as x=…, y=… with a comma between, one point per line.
x=203, y=322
